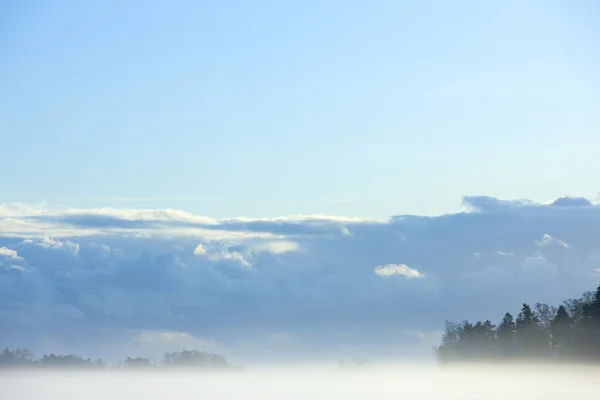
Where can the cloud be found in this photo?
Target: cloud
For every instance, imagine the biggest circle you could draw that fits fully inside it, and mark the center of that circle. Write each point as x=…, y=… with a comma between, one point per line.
x=200, y=250
x=571, y=202
x=548, y=240
x=77, y=274
x=492, y=204
x=9, y=254
x=10, y=260
x=277, y=247
x=235, y=256
x=397, y=269
x=18, y=220
x=49, y=243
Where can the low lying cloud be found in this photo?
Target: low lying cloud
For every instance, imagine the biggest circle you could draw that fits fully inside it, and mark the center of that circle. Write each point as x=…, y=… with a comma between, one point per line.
x=73, y=275
x=397, y=269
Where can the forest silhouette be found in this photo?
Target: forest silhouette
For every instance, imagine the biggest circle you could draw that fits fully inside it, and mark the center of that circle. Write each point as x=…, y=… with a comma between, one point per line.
x=568, y=333
x=23, y=358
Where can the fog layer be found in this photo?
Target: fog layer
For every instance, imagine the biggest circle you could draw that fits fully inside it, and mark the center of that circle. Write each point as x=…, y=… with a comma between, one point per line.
x=489, y=383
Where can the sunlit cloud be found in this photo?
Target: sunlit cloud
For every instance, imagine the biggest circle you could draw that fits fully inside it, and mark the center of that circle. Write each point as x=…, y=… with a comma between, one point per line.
x=397, y=269
x=548, y=240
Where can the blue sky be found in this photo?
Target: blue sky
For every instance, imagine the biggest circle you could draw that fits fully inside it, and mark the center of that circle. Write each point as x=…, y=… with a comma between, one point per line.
x=268, y=108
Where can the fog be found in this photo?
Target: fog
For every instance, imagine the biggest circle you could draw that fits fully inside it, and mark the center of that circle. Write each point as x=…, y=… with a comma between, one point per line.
x=311, y=382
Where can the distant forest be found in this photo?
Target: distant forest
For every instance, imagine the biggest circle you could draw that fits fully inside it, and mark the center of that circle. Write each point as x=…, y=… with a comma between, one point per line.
x=568, y=333
x=23, y=358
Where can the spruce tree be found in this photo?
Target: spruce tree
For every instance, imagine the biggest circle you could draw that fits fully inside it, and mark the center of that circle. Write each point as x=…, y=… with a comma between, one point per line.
x=562, y=333
x=529, y=334
x=505, y=334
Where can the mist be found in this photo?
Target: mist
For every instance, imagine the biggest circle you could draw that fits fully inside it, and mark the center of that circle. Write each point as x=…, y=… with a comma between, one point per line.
x=312, y=382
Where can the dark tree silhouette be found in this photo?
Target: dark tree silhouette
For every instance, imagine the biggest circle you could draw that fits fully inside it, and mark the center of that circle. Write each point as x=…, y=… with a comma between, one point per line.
x=570, y=332
x=22, y=358
x=138, y=362
x=195, y=359
x=562, y=334
x=65, y=361
x=18, y=358
x=505, y=337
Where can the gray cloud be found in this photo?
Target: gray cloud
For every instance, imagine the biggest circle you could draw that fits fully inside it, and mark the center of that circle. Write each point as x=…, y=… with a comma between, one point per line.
x=68, y=273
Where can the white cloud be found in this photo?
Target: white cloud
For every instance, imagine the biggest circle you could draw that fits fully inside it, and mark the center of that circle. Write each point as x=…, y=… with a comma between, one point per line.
x=28, y=221
x=9, y=254
x=505, y=253
x=200, y=250
x=222, y=252
x=11, y=260
x=548, y=240
x=397, y=269
x=49, y=243
x=277, y=246
x=234, y=256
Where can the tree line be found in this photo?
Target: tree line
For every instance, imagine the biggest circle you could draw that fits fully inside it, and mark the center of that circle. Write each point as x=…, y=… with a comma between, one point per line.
x=23, y=358
x=567, y=333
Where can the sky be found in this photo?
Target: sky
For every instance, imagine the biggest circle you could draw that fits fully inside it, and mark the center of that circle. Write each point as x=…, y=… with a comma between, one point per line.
x=292, y=178
x=267, y=108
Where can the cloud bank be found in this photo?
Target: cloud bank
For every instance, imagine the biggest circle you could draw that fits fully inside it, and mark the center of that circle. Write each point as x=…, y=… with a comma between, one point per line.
x=109, y=279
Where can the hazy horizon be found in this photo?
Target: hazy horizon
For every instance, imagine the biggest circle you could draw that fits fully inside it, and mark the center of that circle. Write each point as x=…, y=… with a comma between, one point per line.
x=109, y=283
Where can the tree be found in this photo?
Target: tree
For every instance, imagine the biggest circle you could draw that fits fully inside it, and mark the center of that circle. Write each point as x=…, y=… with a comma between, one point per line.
x=576, y=307
x=590, y=326
x=545, y=314
x=187, y=358
x=532, y=340
x=561, y=333
x=194, y=358
x=448, y=350
x=18, y=358
x=65, y=361
x=569, y=332
x=505, y=337
x=138, y=362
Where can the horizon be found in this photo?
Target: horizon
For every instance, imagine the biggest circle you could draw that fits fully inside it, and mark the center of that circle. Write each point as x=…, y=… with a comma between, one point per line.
x=109, y=283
